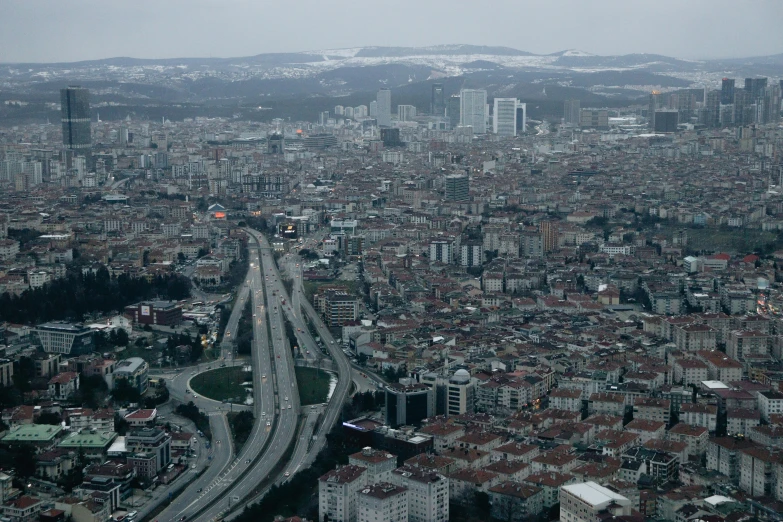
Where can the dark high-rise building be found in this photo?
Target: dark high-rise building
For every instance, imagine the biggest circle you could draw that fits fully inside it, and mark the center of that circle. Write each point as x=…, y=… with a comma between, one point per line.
x=713, y=109
x=666, y=120
x=756, y=87
x=453, y=111
x=437, y=100
x=391, y=137
x=571, y=112
x=771, y=110
x=742, y=108
x=408, y=404
x=656, y=102
x=75, y=116
x=727, y=91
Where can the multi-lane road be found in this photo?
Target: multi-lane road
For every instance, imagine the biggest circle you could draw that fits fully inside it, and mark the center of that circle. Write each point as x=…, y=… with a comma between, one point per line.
x=279, y=396
x=221, y=491
x=275, y=407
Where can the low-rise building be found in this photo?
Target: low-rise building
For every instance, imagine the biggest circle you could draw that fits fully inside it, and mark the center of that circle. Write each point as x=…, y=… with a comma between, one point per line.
x=516, y=501
x=694, y=436
x=587, y=501
x=64, y=385
x=695, y=414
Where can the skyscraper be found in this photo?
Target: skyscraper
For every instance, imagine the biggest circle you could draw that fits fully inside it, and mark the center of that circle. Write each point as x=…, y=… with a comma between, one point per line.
x=571, y=112
x=75, y=116
x=521, y=117
x=437, y=101
x=727, y=91
x=656, y=102
x=504, y=117
x=473, y=110
x=772, y=104
x=713, y=109
x=756, y=87
x=453, y=110
x=742, y=102
x=384, y=107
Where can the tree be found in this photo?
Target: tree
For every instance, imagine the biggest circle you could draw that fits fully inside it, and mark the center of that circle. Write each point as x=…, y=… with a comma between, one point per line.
x=92, y=391
x=49, y=417
x=24, y=461
x=181, y=259
x=125, y=392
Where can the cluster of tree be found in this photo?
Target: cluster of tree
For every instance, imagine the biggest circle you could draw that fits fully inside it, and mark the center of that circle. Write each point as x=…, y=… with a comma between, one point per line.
x=183, y=339
x=364, y=402
x=83, y=292
x=23, y=235
x=241, y=426
x=237, y=270
x=257, y=223
x=244, y=334
x=392, y=375
x=117, y=337
x=191, y=411
x=306, y=253
x=125, y=393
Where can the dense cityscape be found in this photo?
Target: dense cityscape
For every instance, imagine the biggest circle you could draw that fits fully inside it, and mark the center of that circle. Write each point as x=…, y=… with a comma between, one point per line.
x=474, y=308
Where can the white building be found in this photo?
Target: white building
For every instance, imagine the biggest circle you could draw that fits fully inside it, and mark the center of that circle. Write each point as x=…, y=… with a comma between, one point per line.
x=383, y=100
x=428, y=493
x=337, y=493
x=506, y=116
x=383, y=502
x=442, y=251
x=770, y=403
x=406, y=112
x=472, y=254
x=584, y=501
x=473, y=110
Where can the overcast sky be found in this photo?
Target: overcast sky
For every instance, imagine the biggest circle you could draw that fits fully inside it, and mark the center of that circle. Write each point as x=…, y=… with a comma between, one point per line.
x=71, y=30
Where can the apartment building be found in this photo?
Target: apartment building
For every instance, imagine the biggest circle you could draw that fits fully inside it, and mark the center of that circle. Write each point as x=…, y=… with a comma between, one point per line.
x=705, y=415
x=338, y=493
x=586, y=501
x=428, y=493
x=382, y=502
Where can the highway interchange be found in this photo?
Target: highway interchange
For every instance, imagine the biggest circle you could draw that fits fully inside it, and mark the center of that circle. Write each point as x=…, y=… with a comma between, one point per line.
x=279, y=444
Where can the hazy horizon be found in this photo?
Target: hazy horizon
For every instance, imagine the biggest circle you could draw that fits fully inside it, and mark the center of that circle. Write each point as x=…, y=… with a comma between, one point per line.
x=37, y=31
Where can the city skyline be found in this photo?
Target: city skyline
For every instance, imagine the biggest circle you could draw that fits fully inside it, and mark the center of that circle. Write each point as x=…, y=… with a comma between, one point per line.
x=129, y=30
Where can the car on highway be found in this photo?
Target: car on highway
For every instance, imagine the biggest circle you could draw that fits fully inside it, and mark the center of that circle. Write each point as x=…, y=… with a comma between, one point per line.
x=268, y=423
x=263, y=376
x=286, y=474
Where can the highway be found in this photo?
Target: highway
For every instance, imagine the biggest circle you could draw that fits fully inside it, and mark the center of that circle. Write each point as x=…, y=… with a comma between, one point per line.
x=274, y=424
x=283, y=425
x=331, y=414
